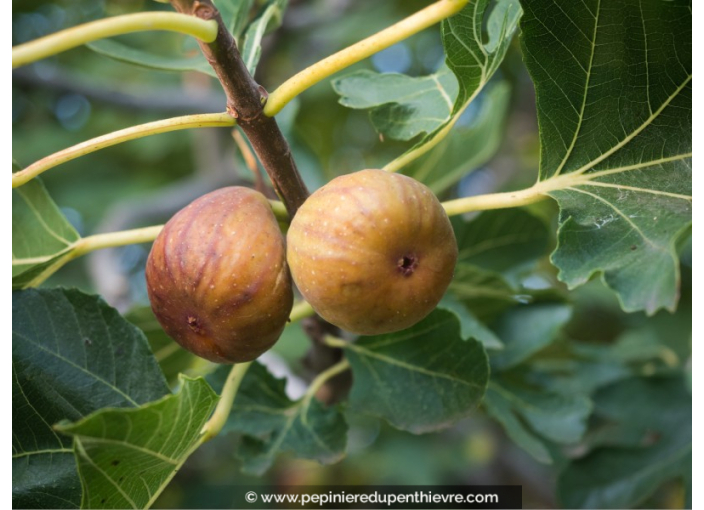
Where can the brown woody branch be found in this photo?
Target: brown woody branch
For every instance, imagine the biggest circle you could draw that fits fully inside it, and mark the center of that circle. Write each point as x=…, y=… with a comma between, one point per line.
x=245, y=101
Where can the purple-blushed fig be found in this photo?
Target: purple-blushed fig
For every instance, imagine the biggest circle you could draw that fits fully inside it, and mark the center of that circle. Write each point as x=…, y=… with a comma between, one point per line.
x=372, y=252
x=217, y=276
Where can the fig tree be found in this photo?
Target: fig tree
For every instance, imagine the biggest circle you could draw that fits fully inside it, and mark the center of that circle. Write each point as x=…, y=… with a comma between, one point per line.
x=372, y=252
x=217, y=276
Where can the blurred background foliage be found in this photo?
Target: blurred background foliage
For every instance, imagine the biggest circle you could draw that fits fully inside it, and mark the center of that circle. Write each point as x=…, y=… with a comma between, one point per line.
x=80, y=94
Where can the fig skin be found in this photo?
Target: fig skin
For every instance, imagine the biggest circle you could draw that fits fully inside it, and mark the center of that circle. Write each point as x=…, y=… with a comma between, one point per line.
x=217, y=276
x=372, y=252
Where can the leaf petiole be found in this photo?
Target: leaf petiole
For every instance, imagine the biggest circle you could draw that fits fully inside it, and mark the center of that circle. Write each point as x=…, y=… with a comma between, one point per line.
x=122, y=238
x=116, y=137
x=504, y=200
x=413, y=24
x=321, y=379
x=333, y=341
x=205, y=30
x=301, y=310
x=541, y=189
x=217, y=421
x=91, y=243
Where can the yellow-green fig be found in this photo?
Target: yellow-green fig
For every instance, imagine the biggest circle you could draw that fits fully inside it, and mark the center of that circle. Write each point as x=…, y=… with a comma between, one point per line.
x=372, y=252
x=217, y=276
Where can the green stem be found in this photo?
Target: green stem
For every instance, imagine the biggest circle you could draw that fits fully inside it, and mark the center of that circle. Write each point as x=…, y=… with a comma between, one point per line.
x=113, y=239
x=404, y=159
x=321, y=379
x=351, y=55
x=88, y=244
x=109, y=27
x=279, y=210
x=121, y=238
x=505, y=200
x=333, y=341
x=123, y=135
x=300, y=310
x=217, y=421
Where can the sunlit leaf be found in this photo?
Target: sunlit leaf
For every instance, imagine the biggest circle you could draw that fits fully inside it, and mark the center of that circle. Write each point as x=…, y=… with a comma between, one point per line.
x=401, y=107
x=466, y=148
x=472, y=54
x=614, y=98
x=41, y=235
x=127, y=456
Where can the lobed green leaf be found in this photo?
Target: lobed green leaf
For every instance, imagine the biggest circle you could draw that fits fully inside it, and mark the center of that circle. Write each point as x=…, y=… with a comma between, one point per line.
x=470, y=326
x=529, y=416
x=274, y=424
x=421, y=379
x=127, y=456
x=525, y=330
x=401, y=107
x=270, y=16
x=144, y=58
x=623, y=477
x=41, y=234
x=172, y=358
x=466, y=148
x=71, y=355
x=614, y=98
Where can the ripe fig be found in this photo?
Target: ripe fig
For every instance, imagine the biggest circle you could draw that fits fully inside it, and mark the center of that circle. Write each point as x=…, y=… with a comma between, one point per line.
x=217, y=276
x=372, y=252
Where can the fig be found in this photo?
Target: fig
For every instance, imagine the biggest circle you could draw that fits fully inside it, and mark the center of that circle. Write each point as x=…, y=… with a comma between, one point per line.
x=372, y=252
x=217, y=276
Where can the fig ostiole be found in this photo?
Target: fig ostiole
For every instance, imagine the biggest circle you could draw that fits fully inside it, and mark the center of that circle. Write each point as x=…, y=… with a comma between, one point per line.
x=372, y=252
x=217, y=276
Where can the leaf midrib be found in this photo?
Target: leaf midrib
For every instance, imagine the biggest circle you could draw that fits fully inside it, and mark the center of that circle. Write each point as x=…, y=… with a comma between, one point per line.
x=80, y=368
x=410, y=367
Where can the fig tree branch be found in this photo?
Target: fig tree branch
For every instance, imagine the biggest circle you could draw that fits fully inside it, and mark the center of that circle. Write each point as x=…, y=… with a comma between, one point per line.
x=245, y=100
x=123, y=135
x=359, y=51
x=76, y=36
